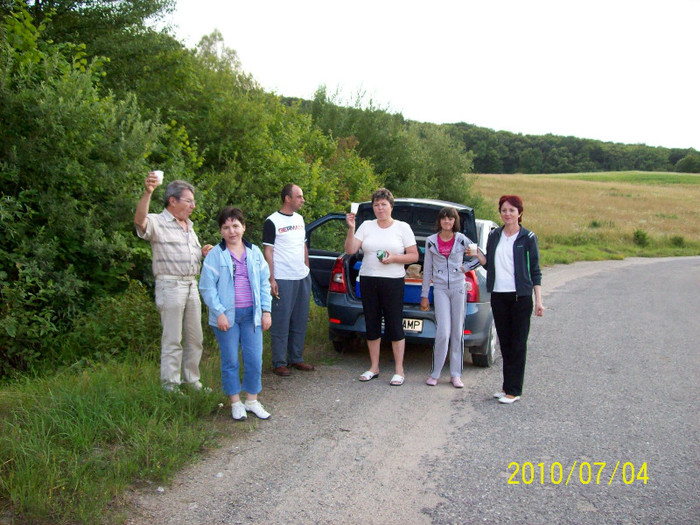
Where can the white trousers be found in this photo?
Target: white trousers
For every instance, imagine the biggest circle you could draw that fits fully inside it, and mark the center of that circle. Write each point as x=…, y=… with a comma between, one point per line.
x=449, y=320
x=181, y=343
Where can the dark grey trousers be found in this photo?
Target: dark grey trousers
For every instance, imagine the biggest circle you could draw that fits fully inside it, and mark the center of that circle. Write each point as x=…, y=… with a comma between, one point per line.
x=290, y=315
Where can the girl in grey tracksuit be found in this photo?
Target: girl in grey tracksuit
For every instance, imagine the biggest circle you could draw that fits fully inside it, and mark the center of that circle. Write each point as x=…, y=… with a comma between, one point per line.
x=444, y=265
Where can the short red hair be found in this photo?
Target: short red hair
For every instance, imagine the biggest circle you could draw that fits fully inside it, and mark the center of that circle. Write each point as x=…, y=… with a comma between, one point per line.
x=514, y=201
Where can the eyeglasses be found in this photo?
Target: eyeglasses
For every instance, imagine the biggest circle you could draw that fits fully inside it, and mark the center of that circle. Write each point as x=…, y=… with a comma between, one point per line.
x=188, y=201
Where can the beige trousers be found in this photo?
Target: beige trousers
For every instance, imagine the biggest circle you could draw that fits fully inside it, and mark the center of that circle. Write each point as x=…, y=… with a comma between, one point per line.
x=181, y=343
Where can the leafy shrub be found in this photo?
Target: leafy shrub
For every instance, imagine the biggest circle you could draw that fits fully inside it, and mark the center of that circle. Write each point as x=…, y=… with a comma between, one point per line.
x=640, y=237
x=678, y=241
x=118, y=325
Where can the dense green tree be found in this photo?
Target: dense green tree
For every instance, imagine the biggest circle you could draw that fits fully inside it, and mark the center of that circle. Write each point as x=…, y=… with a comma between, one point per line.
x=67, y=154
x=531, y=160
x=442, y=158
x=558, y=160
x=689, y=164
x=412, y=159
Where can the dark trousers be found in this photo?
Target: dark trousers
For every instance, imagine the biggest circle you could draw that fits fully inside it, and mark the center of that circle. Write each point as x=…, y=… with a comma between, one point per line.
x=383, y=297
x=511, y=315
x=290, y=315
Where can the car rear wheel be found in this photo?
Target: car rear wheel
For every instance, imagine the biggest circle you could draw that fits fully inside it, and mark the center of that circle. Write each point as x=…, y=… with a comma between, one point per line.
x=342, y=343
x=487, y=352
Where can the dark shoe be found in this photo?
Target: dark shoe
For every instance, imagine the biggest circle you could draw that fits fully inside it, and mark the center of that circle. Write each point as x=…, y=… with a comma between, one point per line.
x=282, y=371
x=303, y=366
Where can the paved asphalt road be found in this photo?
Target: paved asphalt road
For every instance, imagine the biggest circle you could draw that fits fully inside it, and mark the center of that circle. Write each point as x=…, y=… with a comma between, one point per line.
x=613, y=374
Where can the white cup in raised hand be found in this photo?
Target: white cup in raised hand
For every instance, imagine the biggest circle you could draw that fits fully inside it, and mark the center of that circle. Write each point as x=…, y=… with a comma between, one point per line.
x=159, y=176
x=472, y=248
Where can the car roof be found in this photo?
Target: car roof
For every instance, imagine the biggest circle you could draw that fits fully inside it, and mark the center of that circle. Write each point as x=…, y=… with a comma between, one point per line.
x=429, y=202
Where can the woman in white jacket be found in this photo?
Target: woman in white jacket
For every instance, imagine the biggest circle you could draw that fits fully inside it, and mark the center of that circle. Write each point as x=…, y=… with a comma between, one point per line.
x=444, y=266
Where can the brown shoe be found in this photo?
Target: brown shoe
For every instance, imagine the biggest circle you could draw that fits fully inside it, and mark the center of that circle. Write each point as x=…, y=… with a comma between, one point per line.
x=303, y=366
x=282, y=371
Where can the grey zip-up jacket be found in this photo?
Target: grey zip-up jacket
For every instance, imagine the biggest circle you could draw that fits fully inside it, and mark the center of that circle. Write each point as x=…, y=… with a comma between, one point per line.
x=526, y=259
x=445, y=272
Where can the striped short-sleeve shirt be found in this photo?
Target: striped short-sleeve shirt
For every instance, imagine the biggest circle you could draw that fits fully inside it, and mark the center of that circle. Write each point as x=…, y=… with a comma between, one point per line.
x=175, y=251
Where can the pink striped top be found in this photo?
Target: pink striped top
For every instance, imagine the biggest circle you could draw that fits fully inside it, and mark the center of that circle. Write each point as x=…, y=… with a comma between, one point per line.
x=241, y=283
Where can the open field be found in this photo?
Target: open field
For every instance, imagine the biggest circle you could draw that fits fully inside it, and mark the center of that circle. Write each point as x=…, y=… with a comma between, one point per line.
x=595, y=215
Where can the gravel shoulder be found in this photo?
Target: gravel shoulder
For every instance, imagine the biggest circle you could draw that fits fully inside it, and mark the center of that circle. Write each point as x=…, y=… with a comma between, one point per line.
x=335, y=451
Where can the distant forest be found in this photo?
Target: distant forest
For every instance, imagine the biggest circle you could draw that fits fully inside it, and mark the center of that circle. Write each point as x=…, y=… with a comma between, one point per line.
x=505, y=152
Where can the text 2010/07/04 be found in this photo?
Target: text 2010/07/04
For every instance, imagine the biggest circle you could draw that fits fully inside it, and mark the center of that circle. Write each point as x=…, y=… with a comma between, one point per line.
x=584, y=472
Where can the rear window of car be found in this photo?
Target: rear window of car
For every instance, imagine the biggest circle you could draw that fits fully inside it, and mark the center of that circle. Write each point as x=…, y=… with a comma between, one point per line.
x=420, y=216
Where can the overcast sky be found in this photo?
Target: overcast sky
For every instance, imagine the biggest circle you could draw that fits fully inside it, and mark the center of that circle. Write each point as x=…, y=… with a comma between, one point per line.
x=613, y=70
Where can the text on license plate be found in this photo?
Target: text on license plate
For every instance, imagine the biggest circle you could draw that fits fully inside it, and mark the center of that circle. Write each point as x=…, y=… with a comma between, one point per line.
x=413, y=325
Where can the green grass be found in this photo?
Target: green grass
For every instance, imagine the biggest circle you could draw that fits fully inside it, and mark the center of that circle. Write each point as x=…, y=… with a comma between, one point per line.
x=567, y=249
x=634, y=177
x=72, y=442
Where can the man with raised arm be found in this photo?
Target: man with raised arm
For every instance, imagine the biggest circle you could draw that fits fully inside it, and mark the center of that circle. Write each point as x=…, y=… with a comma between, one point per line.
x=177, y=257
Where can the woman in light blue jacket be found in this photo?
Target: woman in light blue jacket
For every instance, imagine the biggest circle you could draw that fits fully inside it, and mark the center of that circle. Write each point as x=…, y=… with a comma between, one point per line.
x=444, y=265
x=235, y=285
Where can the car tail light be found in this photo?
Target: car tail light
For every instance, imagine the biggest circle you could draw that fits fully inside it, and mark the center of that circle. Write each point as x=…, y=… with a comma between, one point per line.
x=338, y=277
x=472, y=287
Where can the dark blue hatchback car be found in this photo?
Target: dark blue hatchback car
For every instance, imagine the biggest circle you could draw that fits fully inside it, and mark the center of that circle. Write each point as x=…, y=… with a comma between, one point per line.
x=334, y=277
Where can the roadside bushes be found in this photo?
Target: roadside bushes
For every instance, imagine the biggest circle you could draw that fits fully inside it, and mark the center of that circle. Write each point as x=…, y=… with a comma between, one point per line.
x=116, y=326
x=66, y=156
x=412, y=159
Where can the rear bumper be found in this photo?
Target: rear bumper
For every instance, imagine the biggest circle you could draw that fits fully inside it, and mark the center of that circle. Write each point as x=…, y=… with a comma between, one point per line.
x=346, y=319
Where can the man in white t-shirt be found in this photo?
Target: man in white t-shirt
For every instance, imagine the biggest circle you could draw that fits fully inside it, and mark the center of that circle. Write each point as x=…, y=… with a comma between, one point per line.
x=284, y=242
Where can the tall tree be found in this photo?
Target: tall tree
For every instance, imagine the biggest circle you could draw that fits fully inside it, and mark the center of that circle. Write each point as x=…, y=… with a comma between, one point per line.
x=68, y=158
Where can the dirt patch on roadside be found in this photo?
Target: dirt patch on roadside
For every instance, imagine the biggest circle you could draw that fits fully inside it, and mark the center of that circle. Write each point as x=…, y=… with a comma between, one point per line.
x=335, y=451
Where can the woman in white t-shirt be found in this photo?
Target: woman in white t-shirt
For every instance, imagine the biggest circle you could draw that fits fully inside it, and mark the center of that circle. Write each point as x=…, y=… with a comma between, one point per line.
x=388, y=245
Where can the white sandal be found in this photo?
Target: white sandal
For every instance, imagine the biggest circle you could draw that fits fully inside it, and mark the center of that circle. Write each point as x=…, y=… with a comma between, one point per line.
x=397, y=380
x=367, y=376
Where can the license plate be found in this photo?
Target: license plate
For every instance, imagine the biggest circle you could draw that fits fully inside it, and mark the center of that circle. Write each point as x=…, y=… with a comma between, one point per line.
x=413, y=325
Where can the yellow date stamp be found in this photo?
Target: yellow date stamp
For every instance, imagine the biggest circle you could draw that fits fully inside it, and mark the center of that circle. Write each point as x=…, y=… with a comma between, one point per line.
x=584, y=472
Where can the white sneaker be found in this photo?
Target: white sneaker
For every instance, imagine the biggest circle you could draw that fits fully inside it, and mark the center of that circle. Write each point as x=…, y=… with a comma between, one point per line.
x=256, y=408
x=173, y=388
x=238, y=411
x=508, y=400
x=499, y=395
